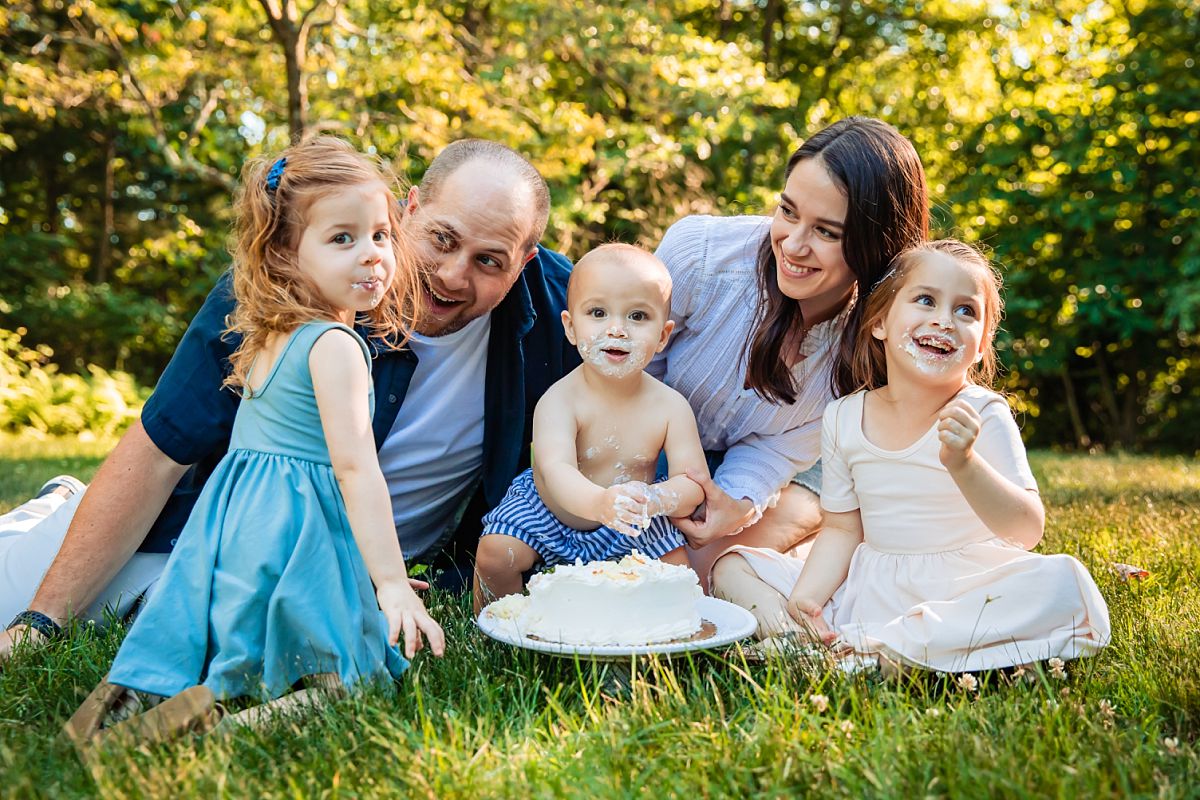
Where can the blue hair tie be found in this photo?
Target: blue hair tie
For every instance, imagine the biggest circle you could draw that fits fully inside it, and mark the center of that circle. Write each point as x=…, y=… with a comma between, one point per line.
x=275, y=173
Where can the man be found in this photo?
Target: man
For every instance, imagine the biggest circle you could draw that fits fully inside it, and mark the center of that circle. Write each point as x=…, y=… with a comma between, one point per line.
x=453, y=409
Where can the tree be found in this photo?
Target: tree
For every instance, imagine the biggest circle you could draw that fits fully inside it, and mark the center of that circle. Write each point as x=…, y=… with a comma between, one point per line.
x=1086, y=187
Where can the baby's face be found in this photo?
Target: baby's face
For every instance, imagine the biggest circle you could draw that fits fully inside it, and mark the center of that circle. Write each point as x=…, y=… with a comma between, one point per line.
x=618, y=312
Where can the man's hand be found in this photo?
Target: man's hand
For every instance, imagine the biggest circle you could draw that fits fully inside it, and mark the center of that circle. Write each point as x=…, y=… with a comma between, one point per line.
x=718, y=516
x=18, y=634
x=958, y=428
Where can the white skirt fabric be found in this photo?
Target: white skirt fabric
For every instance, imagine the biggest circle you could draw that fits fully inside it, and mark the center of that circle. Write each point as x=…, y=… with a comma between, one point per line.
x=985, y=605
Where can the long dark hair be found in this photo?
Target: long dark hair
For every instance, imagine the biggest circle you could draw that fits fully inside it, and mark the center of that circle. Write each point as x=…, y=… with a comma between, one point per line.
x=887, y=211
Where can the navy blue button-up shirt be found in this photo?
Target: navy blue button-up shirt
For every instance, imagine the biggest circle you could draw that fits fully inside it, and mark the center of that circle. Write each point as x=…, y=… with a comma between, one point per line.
x=189, y=416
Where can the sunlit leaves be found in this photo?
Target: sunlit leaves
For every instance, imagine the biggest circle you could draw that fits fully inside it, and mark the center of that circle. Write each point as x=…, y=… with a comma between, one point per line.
x=1060, y=135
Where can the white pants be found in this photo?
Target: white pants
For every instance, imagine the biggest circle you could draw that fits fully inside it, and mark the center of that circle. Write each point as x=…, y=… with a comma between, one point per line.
x=30, y=536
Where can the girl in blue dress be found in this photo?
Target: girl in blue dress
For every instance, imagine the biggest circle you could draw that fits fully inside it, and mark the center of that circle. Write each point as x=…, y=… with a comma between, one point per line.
x=270, y=583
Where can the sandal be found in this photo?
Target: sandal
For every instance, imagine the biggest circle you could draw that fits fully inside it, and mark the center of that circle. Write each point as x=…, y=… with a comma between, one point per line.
x=194, y=710
x=319, y=689
x=329, y=683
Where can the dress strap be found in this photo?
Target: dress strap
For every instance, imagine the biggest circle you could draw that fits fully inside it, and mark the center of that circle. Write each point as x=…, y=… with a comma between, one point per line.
x=309, y=332
x=246, y=390
x=301, y=341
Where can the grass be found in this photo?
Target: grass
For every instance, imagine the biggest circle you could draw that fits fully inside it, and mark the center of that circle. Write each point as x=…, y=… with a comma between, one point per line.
x=490, y=721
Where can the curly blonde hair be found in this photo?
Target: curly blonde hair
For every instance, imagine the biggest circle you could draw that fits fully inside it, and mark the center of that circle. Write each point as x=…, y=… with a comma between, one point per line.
x=272, y=295
x=868, y=365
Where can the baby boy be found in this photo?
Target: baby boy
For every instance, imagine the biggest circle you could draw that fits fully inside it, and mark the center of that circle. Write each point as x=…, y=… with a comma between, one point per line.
x=597, y=434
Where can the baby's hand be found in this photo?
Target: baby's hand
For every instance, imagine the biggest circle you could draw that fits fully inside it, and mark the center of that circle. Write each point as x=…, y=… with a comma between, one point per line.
x=808, y=614
x=625, y=508
x=958, y=428
x=406, y=614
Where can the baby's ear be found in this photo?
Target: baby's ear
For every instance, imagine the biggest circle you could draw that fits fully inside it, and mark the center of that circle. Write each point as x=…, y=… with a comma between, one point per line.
x=568, y=326
x=666, y=334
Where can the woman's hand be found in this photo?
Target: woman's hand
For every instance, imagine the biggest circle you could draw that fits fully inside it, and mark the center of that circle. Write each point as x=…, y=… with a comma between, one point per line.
x=406, y=615
x=625, y=508
x=718, y=516
x=808, y=614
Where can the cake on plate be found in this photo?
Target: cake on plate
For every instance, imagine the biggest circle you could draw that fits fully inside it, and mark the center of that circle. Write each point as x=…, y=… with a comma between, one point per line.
x=634, y=601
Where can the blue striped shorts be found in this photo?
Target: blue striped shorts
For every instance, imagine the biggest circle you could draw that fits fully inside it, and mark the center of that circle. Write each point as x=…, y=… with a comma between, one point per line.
x=523, y=515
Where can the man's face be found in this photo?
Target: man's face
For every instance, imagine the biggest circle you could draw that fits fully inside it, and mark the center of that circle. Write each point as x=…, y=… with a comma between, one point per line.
x=470, y=238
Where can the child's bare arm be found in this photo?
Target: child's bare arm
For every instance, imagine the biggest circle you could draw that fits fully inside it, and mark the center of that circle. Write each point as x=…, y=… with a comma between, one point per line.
x=826, y=567
x=341, y=382
x=555, y=429
x=679, y=495
x=1013, y=513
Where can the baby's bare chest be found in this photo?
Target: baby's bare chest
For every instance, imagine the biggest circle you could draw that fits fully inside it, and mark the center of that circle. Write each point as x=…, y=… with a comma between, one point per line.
x=618, y=447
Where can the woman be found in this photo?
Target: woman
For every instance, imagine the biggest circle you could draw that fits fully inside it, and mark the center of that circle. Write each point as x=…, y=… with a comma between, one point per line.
x=764, y=317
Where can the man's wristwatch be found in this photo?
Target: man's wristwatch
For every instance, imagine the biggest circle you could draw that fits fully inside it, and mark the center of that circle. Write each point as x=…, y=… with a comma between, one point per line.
x=38, y=621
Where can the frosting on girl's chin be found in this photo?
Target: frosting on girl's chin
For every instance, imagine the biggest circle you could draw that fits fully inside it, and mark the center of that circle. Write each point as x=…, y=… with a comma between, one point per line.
x=930, y=361
x=373, y=288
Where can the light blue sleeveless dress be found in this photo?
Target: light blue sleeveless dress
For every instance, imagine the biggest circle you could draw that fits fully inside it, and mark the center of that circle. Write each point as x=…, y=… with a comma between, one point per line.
x=266, y=584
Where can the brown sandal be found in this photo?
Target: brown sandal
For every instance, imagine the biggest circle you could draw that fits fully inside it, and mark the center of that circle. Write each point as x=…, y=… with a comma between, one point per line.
x=319, y=689
x=194, y=710
x=329, y=683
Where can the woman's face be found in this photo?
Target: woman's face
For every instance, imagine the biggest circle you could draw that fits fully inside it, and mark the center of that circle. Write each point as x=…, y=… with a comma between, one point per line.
x=806, y=238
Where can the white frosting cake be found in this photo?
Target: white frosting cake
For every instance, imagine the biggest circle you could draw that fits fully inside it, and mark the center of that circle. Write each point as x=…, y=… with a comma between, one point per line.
x=637, y=600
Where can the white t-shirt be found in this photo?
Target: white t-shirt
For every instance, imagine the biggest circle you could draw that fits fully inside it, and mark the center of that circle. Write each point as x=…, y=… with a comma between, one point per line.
x=434, y=450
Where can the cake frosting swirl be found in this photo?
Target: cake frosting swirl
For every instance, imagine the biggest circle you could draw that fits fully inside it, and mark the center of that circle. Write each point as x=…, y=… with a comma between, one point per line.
x=634, y=601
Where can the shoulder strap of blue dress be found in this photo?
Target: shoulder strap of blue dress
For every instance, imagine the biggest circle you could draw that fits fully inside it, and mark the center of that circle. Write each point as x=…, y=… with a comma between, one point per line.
x=311, y=331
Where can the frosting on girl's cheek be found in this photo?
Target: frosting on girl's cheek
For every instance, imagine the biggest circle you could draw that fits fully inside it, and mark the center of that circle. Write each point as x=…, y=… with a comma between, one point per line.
x=928, y=359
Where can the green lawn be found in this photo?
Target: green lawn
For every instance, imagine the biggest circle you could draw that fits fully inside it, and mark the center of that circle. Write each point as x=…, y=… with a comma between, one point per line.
x=488, y=721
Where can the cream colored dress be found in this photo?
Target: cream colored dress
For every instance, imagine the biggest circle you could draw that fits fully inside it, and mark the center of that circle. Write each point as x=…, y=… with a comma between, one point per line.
x=930, y=585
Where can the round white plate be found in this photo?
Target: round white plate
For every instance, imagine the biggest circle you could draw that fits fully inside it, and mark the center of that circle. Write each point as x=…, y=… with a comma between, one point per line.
x=732, y=623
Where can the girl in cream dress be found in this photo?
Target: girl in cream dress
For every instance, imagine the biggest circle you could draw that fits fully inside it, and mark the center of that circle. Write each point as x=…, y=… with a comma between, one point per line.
x=930, y=507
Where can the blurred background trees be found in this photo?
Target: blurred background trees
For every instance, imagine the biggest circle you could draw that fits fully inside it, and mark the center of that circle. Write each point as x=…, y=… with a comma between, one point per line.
x=1062, y=136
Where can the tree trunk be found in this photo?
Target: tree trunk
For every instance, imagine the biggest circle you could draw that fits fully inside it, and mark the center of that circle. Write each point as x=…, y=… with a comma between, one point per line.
x=103, y=257
x=1108, y=395
x=1132, y=405
x=297, y=89
x=474, y=16
x=724, y=19
x=291, y=33
x=1081, y=436
x=772, y=16
x=50, y=193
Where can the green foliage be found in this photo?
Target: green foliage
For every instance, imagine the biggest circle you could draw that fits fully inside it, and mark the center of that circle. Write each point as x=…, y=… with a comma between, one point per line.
x=36, y=399
x=1063, y=136
x=490, y=721
x=1087, y=187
